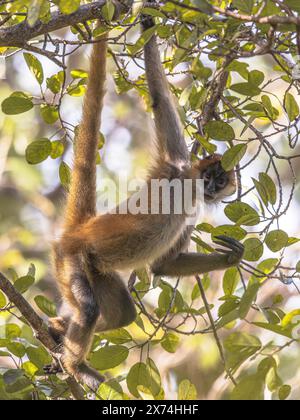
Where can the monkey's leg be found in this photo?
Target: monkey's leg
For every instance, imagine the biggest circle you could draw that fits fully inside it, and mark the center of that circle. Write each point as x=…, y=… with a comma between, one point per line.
x=117, y=307
x=58, y=327
x=80, y=331
x=188, y=264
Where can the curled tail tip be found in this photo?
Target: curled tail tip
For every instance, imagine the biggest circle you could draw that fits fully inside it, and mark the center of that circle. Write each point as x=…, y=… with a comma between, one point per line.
x=147, y=22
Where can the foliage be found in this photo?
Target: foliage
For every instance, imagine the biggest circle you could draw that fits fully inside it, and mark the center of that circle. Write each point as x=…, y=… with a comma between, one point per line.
x=243, y=51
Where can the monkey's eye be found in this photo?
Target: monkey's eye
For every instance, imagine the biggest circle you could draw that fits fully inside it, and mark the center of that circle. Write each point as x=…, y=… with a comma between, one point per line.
x=221, y=183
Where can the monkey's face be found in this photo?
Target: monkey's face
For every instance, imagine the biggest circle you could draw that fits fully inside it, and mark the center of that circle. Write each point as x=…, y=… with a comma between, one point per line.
x=218, y=183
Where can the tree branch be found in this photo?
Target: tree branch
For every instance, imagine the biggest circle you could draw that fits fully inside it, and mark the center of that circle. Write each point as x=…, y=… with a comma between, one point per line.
x=18, y=35
x=38, y=325
x=217, y=88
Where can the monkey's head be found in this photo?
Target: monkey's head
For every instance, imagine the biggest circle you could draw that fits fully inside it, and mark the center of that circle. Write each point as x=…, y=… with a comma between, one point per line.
x=218, y=183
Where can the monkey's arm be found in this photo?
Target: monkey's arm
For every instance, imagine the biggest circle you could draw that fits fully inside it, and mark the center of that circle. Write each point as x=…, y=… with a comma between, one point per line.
x=168, y=126
x=188, y=264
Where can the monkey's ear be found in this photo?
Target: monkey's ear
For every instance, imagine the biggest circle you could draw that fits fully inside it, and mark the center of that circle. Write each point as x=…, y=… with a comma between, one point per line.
x=204, y=163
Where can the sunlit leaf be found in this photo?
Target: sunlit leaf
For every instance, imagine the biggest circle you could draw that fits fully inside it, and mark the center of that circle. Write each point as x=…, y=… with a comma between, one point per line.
x=68, y=6
x=49, y=113
x=38, y=151
x=187, y=391
x=109, y=357
x=170, y=342
x=35, y=67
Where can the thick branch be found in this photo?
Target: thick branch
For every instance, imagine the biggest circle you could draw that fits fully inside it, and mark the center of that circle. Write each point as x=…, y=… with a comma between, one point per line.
x=37, y=325
x=18, y=35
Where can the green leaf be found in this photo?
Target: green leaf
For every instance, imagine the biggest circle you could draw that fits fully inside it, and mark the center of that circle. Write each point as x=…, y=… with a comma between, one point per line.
x=110, y=390
x=271, y=111
x=256, y=77
x=20, y=385
x=239, y=67
x=230, y=281
x=267, y=266
x=250, y=388
x=79, y=74
x=108, y=10
x=119, y=336
x=239, y=347
x=261, y=191
x=45, y=305
x=245, y=6
x=22, y=284
x=278, y=329
x=254, y=249
x=33, y=13
x=246, y=89
x=170, y=342
x=64, y=174
x=54, y=83
x=152, y=12
x=285, y=391
x=242, y=213
x=233, y=156
x=16, y=105
x=293, y=4
x=16, y=349
x=57, y=149
x=142, y=41
x=276, y=240
x=77, y=90
x=2, y=300
x=12, y=331
x=38, y=151
x=11, y=376
x=248, y=298
x=209, y=147
x=109, y=357
x=38, y=356
x=203, y=6
x=35, y=67
x=291, y=106
x=187, y=391
x=29, y=368
x=69, y=6
x=49, y=113
x=140, y=378
x=235, y=232
x=269, y=186
x=219, y=130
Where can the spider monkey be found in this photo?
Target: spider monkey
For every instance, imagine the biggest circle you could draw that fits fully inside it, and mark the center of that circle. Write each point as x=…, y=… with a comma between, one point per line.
x=93, y=247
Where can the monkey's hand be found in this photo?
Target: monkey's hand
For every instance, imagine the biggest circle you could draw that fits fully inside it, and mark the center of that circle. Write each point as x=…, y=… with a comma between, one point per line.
x=235, y=250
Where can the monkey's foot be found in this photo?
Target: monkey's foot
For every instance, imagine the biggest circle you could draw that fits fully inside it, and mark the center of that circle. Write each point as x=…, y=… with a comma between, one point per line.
x=53, y=369
x=236, y=249
x=88, y=376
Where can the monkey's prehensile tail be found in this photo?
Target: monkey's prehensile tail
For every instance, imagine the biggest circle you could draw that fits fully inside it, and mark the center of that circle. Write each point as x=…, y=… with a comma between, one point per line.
x=81, y=202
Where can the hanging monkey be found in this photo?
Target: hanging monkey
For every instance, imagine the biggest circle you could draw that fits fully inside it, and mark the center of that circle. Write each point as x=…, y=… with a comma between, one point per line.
x=93, y=247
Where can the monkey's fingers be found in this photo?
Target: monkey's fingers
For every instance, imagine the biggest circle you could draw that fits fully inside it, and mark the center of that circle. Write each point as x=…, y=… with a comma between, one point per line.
x=230, y=243
x=52, y=369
